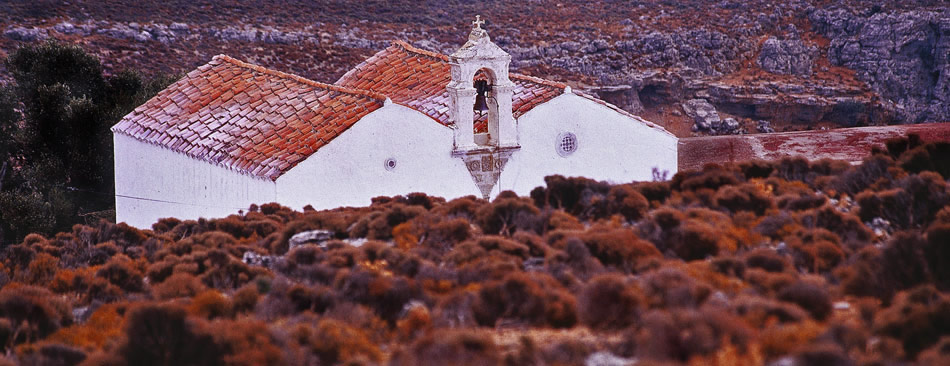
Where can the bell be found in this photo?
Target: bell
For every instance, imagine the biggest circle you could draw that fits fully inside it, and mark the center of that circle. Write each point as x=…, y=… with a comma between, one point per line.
x=481, y=104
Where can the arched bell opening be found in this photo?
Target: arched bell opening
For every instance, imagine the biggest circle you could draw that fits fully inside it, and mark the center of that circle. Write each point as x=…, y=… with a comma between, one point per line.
x=485, y=109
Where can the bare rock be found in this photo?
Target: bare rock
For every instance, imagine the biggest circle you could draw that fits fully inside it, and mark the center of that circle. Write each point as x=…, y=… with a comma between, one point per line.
x=704, y=114
x=26, y=34
x=763, y=126
x=310, y=237
x=791, y=57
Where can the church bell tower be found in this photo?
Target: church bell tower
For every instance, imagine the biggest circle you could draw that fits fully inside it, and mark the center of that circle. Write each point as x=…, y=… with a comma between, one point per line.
x=480, y=72
x=486, y=133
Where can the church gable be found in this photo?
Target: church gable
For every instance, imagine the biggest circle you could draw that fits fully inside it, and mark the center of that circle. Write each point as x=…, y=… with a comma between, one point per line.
x=247, y=118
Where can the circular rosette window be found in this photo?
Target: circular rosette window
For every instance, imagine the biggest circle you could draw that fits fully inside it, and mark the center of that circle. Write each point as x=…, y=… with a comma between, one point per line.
x=390, y=164
x=566, y=144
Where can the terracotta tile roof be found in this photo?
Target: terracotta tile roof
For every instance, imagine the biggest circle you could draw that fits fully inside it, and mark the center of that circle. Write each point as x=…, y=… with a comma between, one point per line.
x=247, y=118
x=417, y=78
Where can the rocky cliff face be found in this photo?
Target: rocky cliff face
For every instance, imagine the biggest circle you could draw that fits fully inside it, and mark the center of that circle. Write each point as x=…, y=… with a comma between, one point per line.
x=904, y=56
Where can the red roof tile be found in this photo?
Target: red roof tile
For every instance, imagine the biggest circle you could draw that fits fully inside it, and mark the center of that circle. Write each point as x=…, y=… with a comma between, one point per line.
x=207, y=115
x=417, y=78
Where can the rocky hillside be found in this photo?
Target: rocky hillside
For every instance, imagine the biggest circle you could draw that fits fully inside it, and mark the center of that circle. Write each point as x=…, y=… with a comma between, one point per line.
x=698, y=67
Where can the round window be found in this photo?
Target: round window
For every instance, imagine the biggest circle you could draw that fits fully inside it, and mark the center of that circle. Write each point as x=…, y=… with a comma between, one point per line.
x=390, y=164
x=566, y=144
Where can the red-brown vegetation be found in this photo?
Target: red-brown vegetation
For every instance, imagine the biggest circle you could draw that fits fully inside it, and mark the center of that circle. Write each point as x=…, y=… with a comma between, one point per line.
x=737, y=264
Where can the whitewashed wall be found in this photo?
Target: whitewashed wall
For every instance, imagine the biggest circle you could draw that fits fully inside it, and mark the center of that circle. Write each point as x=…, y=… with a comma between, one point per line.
x=351, y=169
x=610, y=146
x=152, y=182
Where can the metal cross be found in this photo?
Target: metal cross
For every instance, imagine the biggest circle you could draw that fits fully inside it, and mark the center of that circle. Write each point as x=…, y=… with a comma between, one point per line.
x=478, y=22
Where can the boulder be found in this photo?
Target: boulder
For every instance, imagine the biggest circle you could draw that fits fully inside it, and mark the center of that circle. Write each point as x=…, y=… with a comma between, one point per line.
x=704, y=115
x=310, y=237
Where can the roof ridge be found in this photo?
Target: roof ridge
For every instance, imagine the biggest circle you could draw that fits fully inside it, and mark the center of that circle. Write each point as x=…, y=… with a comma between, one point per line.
x=301, y=79
x=537, y=80
x=410, y=48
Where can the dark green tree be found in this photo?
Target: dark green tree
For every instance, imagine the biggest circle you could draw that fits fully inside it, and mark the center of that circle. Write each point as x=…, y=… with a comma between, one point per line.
x=55, y=139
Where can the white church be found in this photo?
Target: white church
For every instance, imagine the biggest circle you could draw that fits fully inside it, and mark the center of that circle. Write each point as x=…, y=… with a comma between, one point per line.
x=231, y=134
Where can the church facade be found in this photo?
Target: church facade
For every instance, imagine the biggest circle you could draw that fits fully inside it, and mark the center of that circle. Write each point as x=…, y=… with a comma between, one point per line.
x=231, y=134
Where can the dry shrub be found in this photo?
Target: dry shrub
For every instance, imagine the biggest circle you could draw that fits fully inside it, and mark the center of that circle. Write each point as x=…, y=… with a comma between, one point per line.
x=729, y=266
x=626, y=201
x=918, y=318
x=581, y=197
x=503, y=245
x=211, y=304
x=121, y=273
x=165, y=224
x=245, y=298
x=33, y=312
x=759, y=311
x=619, y=248
x=655, y=192
x=451, y=347
x=102, y=327
x=443, y=234
x=536, y=245
x=782, y=339
x=178, y=285
x=233, y=225
x=810, y=297
x=40, y=271
x=247, y=342
x=609, y=302
x=847, y=226
x=462, y=207
x=380, y=225
x=817, y=250
x=711, y=177
x=333, y=341
x=577, y=257
x=766, y=259
x=804, y=202
x=931, y=156
x=862, y=276
x=679, y=335
x=695, y=240
x=756, y=169
x=416, y=321
x=861, y=177
x=224, y=271
x=304, y=255
x=386, y=295
x=52, y=354
x=937, y=253
x=744, y=197
x=560, y=220
x=72, y=280
x=567, y=351
x=506, y=215
x=163, y=335
x=903, y=261
x=768, y=283
x=670, y=288
x=696, y=234
x=939, y=354
x=317, y=298
x=536, y=299
x=122, y=234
